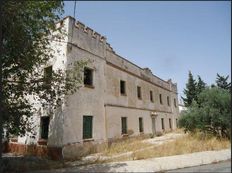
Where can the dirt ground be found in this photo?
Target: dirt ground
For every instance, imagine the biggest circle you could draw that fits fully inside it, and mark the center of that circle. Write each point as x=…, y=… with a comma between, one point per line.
x=13, y=163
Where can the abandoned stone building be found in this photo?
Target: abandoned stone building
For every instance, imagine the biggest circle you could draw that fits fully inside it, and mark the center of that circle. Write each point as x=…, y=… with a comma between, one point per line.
x=117, y=99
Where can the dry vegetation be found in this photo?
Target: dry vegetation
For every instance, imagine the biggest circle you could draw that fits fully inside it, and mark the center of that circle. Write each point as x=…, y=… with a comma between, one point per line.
x=187, y=144
x=184, y=145
x=131, y=144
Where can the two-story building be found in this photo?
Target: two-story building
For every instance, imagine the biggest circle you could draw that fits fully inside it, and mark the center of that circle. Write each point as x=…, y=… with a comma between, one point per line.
x=118, y=98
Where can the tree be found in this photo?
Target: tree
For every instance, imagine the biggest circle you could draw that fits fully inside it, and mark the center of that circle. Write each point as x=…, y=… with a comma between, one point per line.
x=221, y=82
x=212, y=117
x=190, y=91
x=28, y=27
x=201, y=86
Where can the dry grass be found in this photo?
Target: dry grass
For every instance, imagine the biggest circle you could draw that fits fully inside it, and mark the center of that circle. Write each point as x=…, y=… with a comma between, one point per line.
x=184, y=145
x=131, y=144
x=187, y=144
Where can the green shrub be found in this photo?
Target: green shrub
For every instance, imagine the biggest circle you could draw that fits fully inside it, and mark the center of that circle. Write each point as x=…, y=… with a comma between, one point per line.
x=211, y=115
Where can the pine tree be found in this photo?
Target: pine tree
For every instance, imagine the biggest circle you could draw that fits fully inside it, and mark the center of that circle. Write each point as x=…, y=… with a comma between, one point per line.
x=221, y=82
x=190, y=91
x=201, y=85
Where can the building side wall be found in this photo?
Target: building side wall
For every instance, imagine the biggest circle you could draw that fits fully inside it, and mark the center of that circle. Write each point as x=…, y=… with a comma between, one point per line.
x=114, y=126
x=86, y=101
x=113, y=95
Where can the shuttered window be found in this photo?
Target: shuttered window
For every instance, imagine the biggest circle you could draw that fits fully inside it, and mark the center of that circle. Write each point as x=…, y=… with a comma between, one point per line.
x=44, y=127
x=151, y=96
x=87, y=127
x=140, y=124
x=88, y=76
x=139, y=92
x=162, y=123
x=170, y=123
x=124, y=125
x=122, y=87
x=161, y=101
x=168, y=100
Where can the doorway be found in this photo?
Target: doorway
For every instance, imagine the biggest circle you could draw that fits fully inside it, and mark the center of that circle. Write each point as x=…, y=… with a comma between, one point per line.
x=153, y=125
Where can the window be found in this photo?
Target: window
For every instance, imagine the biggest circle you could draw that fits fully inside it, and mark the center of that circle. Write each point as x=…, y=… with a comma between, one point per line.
x=124, y=125
x=122, y=87
x=161, y=101
x=87, y=127
x=175, y=102
x=162, y=123
x=168, y=101
x=176, y=122
x=170, y=123
x=88, y=76
x=44, y=127
x=139, y=94
x=140, y=124
x=151, y=96
x=48, y=76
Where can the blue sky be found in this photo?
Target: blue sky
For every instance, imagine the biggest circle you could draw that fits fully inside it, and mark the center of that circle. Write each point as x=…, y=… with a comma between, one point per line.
x=170, y=38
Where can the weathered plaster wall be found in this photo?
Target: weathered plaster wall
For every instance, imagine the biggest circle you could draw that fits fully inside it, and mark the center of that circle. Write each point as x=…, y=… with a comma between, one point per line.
x=86, y=101
x=104, y=102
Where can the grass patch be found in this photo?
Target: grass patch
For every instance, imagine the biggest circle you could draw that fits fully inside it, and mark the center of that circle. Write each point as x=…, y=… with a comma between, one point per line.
x=186, y=144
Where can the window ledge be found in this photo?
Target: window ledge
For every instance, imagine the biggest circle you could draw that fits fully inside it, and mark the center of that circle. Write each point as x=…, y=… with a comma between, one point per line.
x=89, y=86
x=88, y=140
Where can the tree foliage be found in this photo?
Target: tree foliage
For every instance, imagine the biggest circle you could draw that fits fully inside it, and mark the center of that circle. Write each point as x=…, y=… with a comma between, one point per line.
x=212, y=116
x=193, y=89
x=27, y=30
x=190, y=91
x=222, y=82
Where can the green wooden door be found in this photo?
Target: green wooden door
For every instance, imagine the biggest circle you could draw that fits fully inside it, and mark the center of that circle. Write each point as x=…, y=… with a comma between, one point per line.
x=124, y=125
x=87, y=127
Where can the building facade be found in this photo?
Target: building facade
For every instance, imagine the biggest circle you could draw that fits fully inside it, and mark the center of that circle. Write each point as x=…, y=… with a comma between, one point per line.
x=117, y=97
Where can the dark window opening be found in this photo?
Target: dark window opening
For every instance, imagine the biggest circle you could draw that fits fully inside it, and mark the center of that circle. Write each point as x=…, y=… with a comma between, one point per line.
x=124, y=125
x=176, y=122
x=151, y=96
x=139, y=94
x=87, y=127
x=168, y=100
x=160, y=97
x=162, y=123
x=122, y=87
x=44, y=127
x=48, y=76
x=170, y=123
x=140, y=124
x=175, y=102
x=88, y=76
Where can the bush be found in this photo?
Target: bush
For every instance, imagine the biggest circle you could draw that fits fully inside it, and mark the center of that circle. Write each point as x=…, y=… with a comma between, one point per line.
x=211, y=115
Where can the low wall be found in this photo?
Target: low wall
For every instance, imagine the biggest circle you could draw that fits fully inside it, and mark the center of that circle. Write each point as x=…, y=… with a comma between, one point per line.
x=73, y=151
x=54, y=153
